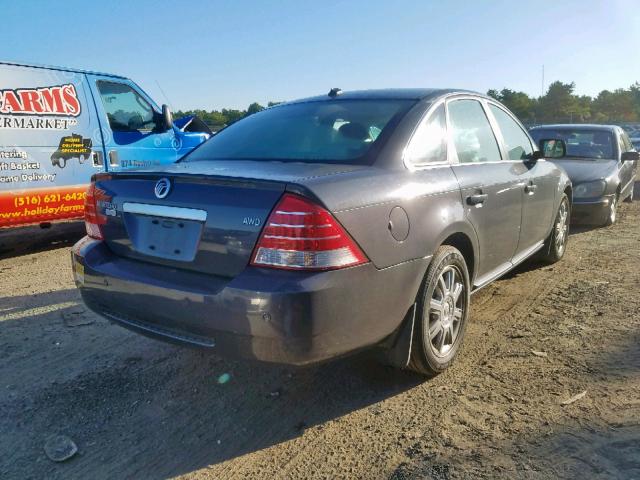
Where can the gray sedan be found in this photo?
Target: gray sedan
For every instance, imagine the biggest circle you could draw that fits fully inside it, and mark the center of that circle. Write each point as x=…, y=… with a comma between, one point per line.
x=601, y=162
x=324, y=226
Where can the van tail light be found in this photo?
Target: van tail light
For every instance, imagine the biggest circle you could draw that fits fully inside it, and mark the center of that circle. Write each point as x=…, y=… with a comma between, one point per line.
x=300, y=235
x=92, y=218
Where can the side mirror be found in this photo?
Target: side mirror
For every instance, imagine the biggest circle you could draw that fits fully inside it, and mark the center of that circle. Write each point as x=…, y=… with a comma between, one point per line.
x=167, y=118
x=553, y=148
x=630, y=156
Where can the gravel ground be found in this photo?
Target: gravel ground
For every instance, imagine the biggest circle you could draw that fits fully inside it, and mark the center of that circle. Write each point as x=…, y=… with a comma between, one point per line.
x=138, y=408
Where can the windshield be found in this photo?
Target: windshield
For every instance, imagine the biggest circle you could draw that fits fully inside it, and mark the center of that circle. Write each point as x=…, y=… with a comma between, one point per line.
x=340, y=131
x=581, y=143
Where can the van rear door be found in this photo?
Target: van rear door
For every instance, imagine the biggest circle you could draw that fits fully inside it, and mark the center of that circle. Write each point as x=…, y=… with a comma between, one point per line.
x=48, y=133
x=132, y=126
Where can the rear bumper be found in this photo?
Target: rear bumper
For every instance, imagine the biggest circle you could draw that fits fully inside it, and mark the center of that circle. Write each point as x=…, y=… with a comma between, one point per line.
x=264, y=314
x=591, y=212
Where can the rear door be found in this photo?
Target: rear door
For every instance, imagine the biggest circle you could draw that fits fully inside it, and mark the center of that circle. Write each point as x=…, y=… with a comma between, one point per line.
x=131, y=126
x=491, y=187
x=48, y=130
x=541, y=180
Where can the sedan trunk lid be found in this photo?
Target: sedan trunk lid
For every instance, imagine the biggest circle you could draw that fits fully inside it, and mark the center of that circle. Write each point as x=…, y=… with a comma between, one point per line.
x=210, y=218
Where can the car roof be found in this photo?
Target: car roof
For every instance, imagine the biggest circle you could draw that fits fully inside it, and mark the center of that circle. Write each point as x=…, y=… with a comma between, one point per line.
x=61, y=69
x=389, y=94
x=577, y=126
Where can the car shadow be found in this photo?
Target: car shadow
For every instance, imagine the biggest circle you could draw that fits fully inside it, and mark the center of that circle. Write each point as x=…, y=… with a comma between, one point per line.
x=28, y=240
x=175, y=408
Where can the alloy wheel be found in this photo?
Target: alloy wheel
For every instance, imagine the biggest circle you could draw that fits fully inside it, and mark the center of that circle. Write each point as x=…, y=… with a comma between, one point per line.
x=446, y=310
x=562, y=228
x=612, y=210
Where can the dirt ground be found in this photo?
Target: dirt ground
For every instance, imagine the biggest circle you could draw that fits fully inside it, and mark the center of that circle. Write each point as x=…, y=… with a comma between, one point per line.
x=138, y=408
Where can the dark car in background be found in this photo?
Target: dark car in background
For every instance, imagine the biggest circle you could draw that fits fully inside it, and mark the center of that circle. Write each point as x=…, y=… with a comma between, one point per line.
x=323, y=226
x=601, y=162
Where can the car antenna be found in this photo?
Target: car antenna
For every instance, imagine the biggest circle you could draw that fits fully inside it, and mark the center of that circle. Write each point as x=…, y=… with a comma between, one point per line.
x=334, y=92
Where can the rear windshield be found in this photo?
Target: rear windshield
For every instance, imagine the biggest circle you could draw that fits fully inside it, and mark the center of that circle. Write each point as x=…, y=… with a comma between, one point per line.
x=339, y=131
x=581, y=143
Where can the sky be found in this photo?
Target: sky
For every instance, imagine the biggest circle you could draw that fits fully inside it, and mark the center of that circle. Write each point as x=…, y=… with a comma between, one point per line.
x=214, y=54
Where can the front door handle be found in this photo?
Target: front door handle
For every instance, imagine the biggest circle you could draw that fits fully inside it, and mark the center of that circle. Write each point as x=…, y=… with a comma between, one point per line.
x=477, y=199
x=530, y=189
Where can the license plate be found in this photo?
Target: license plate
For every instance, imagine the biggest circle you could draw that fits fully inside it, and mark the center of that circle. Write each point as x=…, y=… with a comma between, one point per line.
x=168, y=238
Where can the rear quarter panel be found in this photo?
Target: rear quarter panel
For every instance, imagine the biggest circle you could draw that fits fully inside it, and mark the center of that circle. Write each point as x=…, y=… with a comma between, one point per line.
x=362, y=202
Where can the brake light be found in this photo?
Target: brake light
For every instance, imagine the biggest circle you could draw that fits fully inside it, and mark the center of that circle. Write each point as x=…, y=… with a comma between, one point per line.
x=300, y=235
x=92, y=218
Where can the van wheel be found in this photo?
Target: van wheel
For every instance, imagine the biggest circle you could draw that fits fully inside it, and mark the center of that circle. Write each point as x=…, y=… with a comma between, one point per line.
x=556, y=243
x=442, y=312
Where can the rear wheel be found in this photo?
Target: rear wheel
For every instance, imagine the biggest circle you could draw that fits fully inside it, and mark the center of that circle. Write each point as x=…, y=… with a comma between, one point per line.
x=556, y=243
x=442, y=312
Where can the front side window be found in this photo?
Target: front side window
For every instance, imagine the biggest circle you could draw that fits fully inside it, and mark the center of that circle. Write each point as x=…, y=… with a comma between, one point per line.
x=330, y=131
x=126, y=109
x=580, y=142
x=429, y=143
x=471, y=132
x=515, y=139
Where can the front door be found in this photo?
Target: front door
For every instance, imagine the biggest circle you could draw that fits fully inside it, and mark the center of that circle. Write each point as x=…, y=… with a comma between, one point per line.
x=131, y=125
x=539, y=190
x=491, y=188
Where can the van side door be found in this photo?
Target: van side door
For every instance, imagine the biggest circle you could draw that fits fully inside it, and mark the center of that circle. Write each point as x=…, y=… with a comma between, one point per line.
x=541, y=177
x=48, y=133
x=132, y=126
x=491, y=187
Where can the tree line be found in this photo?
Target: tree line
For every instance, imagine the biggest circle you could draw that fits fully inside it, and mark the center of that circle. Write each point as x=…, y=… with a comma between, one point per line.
x=561, y=105
x=558, y=105
x=217, y=119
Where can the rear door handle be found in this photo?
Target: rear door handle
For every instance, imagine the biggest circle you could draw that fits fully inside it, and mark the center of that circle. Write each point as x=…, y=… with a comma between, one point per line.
x=477, y=199
x=531, y=188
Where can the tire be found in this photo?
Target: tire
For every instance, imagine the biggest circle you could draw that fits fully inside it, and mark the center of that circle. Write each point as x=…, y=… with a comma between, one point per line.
x=442, y=309
x=556, y=243
x=613, y=215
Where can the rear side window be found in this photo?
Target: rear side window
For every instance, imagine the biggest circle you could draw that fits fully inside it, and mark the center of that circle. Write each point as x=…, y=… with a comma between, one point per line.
x=126, y=110
x=332, y=131
x=429, y=143
x=471, y=132
x=515, y=139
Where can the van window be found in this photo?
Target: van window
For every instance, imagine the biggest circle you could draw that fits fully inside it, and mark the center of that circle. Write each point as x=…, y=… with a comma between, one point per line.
x=126, y=109
x=471, y=132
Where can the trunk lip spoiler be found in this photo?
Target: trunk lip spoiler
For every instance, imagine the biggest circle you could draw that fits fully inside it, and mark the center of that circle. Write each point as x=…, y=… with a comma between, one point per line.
x=152, y=210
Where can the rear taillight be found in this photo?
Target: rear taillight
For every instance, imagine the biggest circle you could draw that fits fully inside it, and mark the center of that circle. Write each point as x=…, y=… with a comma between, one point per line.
x=92, y=218
x=301, y=235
